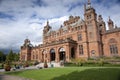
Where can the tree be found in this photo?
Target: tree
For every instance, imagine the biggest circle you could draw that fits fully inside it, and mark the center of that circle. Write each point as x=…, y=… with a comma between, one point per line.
x=2, y=56
x=10, y=56
x=16, y=56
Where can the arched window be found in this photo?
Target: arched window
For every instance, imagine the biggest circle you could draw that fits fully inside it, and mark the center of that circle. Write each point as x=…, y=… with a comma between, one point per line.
x=62, y=54
x=113, y=46
x=52, y=55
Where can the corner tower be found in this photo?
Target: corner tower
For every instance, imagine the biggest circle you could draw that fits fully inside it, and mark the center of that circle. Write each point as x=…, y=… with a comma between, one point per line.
x=25, y=52
x=46, y=30
x=93, y=35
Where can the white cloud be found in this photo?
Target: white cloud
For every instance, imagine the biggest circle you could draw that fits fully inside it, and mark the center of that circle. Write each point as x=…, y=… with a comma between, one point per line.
x=29, y=17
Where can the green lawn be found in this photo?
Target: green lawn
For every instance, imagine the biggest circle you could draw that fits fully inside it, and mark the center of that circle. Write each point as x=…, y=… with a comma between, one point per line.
x=71, y=73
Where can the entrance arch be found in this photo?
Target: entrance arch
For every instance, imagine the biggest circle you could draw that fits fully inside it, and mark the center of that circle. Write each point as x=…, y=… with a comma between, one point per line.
x=62, y=54
x=52, y=55
x=72, y=52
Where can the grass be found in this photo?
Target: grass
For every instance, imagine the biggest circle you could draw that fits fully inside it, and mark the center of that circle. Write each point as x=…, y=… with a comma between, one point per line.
x=71, y=73
x=91, y=64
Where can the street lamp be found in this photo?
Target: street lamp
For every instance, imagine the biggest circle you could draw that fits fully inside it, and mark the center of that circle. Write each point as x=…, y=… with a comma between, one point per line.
x=63, y=57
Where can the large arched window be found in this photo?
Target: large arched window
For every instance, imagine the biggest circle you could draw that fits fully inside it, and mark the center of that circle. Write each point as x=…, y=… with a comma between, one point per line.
x=113, y=46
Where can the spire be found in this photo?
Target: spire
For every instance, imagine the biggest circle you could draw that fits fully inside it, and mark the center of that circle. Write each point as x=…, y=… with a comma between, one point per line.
x=89, y=2
x=84, y=7
x=110, y=21
x=47, y=22
x=110, y=24
x=100, y=19
x=109, y=18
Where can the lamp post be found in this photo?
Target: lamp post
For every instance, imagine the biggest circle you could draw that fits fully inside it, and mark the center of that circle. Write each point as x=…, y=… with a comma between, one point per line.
x=63, y=57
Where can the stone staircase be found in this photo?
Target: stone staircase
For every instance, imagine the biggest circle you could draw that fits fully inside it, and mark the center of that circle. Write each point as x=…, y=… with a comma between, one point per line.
x=50, y=64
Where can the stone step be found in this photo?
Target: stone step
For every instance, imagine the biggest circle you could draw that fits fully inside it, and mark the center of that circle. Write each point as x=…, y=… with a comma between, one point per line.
x=52, y=64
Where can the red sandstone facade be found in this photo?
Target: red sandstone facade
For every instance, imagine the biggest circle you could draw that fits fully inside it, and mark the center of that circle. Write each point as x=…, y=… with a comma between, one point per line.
x=77, y=38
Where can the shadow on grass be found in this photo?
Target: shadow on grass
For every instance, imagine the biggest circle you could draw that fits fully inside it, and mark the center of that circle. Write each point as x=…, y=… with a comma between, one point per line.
x=92, y=74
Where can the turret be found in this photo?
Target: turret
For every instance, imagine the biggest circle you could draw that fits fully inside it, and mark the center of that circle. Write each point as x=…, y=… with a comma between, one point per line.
x=110, y=24
x=27, y=43
x=46, y=28
x=101, y=24
x=25, y=52
x=89, y=12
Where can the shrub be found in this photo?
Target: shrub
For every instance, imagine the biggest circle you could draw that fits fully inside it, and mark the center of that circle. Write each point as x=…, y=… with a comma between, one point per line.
x=7, y=66
x=78, y=62
x=26, y=64
x=36, y=63
x=101, y=62
x=45, y=64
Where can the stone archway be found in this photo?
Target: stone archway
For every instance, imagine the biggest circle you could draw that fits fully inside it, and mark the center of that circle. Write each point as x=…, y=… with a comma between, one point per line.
x=62, y=54
x=52, y=55
x=72, y=52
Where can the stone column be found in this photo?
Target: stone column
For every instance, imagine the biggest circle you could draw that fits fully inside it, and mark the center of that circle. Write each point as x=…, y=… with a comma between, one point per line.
x=56, y=55
x=67, y=53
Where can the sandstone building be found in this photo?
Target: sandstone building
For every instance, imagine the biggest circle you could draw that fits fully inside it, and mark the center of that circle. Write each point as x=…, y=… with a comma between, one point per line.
x=76, y=38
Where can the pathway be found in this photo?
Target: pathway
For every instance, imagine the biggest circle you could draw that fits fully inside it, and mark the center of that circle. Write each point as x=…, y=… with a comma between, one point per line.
x=8, y=77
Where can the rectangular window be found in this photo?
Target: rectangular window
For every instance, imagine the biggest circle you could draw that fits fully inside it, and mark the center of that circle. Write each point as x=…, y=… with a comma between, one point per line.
x=113, y=49
x=81, y=49
x=79, y=37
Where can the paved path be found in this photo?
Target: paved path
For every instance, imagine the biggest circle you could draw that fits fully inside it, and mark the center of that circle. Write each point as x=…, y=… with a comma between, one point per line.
x=8, y=77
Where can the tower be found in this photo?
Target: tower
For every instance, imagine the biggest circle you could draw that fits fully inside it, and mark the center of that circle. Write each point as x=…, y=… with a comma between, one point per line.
x=25, y=53
x=46, y=29
x=101, y=24
x=92, y=30
x=110, y=24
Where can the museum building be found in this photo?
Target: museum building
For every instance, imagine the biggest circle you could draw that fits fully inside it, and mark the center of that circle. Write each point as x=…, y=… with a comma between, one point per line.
x=76, y=38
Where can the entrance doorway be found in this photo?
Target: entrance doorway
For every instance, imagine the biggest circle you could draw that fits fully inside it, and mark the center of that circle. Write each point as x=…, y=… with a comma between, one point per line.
x=72, y=52
x=52, y=55
x=62, y=54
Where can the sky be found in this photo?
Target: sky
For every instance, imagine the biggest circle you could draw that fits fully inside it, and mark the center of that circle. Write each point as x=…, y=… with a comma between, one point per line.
x=21, y=19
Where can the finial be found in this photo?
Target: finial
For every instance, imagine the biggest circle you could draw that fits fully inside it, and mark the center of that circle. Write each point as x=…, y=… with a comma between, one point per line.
x=84, y=7
x=47, y=22
x=110, y=19
x=89, y=2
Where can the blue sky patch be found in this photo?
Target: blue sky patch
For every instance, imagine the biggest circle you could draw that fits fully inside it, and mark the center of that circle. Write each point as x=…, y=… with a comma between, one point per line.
x=39, y=3
x=72, y=6
x=4, y=15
